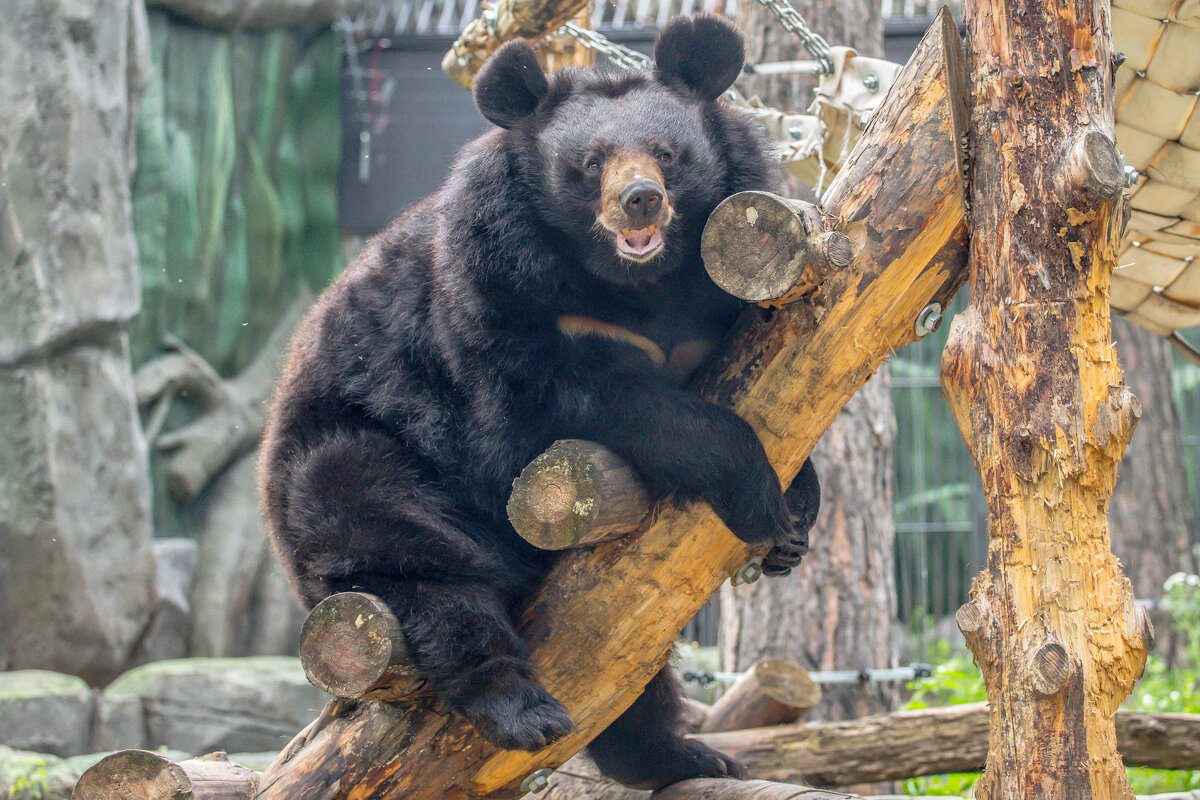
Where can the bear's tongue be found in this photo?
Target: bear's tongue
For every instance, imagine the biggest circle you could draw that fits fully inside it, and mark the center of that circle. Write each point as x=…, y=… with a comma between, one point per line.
x=639, y=242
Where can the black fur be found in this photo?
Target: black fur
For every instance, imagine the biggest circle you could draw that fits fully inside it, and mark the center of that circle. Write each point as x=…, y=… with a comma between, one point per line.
x=433, y=371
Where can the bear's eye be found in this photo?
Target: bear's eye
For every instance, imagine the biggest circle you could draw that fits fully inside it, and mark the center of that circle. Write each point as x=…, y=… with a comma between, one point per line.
x=592, y=164
x=665, y=157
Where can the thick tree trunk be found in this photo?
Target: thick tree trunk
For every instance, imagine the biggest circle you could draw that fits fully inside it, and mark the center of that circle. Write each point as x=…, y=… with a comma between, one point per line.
x=1151, y=511
x=1033, y=381
x=835, y=611
x=900, y=199
x=76, y=566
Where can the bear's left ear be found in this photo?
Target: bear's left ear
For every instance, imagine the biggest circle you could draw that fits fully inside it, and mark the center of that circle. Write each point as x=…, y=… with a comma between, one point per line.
x=510, y=85
x=702, y=54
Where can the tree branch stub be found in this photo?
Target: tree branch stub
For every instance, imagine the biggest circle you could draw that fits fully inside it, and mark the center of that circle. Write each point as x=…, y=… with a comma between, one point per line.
x=351, y=646
x=577, y=493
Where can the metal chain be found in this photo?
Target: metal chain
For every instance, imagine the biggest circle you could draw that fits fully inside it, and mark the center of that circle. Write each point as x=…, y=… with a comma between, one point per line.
x=788, y=17
x=618, y=54
x=791, y=21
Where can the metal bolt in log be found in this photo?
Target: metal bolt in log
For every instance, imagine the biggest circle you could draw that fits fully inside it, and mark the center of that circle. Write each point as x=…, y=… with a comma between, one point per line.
x=765, y=248
x=772, y=692
x=1094, y=166
x=576, y=493
x=351, y=645
x=142, y=775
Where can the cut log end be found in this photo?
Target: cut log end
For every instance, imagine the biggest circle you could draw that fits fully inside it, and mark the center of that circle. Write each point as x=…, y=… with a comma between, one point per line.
x=969, y=617
x=772, y=692
x=133, y=775
x=142, y=775
x=761, y=247
x=351, y=644
x=576, y=493
x=1093, y=167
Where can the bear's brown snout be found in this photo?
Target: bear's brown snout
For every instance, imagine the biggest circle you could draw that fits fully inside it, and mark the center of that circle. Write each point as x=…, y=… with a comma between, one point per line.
x=642, y=200
x=635, y=206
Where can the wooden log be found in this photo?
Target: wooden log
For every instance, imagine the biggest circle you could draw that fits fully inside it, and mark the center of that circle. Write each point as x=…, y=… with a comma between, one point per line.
x=716, y=789
x=1032, y=378
x=142, y=775
x=769, y=249
x=891, y=747
x=576, y=493
x=788, y=375
x=351, y=647
x=772, y=692
x=500, y=22
x=909, y=744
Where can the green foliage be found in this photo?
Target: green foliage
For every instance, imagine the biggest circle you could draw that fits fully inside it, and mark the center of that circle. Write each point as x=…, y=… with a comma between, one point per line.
x=1163, y=688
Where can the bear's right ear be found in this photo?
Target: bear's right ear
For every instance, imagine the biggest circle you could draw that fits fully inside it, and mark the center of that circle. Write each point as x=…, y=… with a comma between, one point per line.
x=702, y=54
x=510, y=85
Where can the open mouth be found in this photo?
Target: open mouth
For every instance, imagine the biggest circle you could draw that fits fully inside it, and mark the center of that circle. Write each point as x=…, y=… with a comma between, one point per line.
x=640, y=244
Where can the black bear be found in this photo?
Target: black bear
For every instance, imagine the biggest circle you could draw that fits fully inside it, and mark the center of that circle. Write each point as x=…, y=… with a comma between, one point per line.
x=551, y=289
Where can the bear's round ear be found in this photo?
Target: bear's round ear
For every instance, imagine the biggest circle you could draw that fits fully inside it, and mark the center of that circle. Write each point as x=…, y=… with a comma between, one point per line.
x=702, y=54
x=510, y=85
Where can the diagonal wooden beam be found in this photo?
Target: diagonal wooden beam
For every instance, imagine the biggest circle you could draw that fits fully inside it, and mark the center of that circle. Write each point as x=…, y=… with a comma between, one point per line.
x=604, y=621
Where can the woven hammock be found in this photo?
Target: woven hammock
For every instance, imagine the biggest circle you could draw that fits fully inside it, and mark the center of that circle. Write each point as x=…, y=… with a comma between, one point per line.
x=1157, y=281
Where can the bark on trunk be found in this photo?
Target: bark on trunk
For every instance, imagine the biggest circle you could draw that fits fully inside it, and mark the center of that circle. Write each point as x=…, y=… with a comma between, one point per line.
x=1151, y=511
x=835, y=611
x=1031, y=376
x=899, y=198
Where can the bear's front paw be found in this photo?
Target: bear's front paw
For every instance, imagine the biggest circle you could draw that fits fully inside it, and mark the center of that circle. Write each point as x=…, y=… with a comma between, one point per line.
x=519, y=717
x=755, y=510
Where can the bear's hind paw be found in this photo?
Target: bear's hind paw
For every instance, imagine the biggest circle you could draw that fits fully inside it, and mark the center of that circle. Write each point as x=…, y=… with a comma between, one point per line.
x=521, y=718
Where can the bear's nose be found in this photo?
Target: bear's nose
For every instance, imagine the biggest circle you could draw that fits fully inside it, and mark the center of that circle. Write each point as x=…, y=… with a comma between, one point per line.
x=641, y=200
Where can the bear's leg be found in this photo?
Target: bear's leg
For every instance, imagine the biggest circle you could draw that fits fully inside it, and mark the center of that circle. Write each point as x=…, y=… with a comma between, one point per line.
x=462, y=638
x=361, y=515
x=643, y=749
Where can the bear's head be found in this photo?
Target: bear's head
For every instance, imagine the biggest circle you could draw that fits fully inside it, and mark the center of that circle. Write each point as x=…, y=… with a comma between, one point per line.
x=628, y=166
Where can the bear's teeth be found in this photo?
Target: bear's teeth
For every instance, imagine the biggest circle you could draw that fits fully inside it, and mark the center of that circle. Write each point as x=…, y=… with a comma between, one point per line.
x=639, y=241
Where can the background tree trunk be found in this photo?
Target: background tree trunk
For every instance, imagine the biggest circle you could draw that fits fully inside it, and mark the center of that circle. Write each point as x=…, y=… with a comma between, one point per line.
x=1150, y=514
x=835, y=611
x=854, y=23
